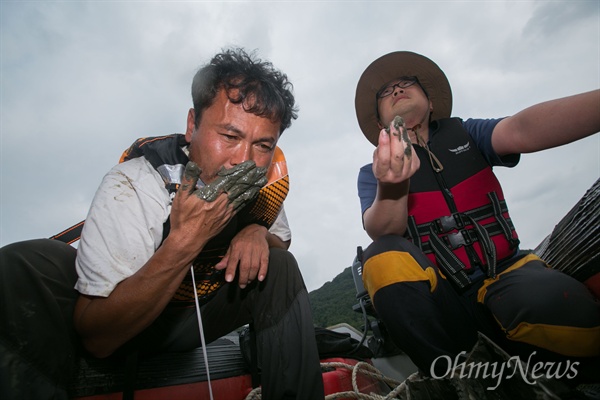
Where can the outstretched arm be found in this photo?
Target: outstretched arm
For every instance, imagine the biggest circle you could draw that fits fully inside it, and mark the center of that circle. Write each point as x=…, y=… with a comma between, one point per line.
x=548, y=124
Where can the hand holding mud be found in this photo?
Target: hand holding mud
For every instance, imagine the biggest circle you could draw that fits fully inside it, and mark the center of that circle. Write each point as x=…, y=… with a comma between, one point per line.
x=199, y=214
x=398, y=128
x=241, y=183
x=393, y=160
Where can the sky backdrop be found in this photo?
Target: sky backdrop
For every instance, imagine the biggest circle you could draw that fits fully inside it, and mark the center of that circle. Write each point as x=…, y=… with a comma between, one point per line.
x=81, y=80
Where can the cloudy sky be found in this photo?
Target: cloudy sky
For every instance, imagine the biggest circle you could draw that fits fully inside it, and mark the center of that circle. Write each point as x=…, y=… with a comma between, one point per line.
x=80, y=81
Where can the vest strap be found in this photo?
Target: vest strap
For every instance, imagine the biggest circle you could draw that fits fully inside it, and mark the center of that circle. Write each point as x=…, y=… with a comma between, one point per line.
x=457, y=220
x=488, y=248
x=504, y=224
x=413, y=233
x=452, y=267
x=456, y=239
x=69, y=235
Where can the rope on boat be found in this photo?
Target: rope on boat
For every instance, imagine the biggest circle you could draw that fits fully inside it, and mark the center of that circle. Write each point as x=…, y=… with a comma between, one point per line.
x=359, y=368
x=255, y=394
x=365, y=369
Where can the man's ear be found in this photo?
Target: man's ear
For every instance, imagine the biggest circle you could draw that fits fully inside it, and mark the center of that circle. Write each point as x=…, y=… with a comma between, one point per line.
x=191, y=125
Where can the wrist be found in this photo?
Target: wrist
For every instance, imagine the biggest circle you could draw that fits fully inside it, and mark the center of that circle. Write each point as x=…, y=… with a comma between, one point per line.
x=387, y=190
x=182, y=248
x=257, y=229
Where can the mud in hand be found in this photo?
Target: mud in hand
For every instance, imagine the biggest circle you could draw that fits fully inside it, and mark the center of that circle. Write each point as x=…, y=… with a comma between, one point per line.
x=398, y=128
x=241, y=183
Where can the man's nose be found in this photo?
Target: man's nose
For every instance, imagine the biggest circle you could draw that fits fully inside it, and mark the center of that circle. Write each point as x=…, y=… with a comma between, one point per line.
x=397, y=91
x=242, y=153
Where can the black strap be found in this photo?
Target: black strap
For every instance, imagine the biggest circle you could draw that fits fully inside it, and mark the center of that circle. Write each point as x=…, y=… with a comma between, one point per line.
x=73, y=234
x=254, y=370
x=69, y=235
x=457, y=220
x=450, y=264
x=413, y=232
x=463, y=237
x=498, y=213
x=487, y=248
x=131, y=364
x=453, y=268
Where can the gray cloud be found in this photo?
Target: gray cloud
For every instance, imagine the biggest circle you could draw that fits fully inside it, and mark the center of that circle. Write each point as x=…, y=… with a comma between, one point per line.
x=81, y=81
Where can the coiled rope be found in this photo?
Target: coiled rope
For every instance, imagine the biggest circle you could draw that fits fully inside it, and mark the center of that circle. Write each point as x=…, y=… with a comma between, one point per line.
x=363, y=368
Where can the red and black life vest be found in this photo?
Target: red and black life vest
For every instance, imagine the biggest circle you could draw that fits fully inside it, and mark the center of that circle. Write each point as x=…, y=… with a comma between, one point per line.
x=458, y=216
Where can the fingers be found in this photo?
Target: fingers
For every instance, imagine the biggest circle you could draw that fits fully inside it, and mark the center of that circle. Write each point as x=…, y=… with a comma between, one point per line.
x=238, y=170
x=245, y=187
x=402, y=147
x=381, y=155
x=253, y=267
x=223, y=264
x=264, y=267
x=247, y=258
x=190, y=177
x=392, y=155
x=230, y=264
x=247, y=267
x=241, y=183
x=415, y=164
x=244, y=192
x=394, y=160
x=211, y=191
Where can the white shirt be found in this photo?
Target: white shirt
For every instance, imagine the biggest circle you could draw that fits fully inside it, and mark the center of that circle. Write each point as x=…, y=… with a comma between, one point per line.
x=124, y=226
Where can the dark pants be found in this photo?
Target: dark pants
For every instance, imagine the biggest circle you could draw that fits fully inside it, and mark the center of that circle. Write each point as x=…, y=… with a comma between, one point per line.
x=37, y=338
x=527, y=308
x=39, y=344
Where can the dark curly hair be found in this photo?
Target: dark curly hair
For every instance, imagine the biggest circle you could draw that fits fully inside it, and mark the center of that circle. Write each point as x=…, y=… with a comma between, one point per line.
x=261, y=89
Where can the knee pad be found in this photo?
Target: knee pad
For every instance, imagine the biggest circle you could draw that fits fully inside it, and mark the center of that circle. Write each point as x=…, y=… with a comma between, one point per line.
x=532, y=306
x=392, y=267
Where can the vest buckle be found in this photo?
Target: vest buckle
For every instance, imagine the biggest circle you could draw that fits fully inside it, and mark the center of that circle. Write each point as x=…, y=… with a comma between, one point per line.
x=448, y=223
x=459, y=239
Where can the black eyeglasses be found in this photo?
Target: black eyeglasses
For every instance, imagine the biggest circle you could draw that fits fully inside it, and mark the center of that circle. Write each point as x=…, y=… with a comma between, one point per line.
x=402, y=83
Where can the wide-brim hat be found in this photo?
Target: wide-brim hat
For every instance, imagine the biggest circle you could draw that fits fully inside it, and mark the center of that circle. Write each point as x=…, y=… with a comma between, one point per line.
x=392, y=66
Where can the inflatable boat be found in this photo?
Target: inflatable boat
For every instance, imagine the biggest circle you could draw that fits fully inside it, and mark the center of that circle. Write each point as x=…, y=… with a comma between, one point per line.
x=354, y=364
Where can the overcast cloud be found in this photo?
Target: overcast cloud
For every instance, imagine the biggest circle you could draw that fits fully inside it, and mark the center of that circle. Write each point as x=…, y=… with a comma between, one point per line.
x=80, y=81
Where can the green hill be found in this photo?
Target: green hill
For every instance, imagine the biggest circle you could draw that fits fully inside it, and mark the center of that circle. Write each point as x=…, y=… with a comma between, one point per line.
x=332, y=303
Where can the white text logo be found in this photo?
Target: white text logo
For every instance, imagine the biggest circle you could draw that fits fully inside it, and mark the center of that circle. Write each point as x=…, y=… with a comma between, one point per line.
x=507, y=369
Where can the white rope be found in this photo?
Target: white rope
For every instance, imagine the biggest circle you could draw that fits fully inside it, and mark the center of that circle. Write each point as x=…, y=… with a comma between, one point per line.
x=201, y=328
x=360, y=368
x=368, y=370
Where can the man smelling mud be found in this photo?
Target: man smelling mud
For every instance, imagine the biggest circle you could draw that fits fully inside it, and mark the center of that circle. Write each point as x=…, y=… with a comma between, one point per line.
x=211, y=200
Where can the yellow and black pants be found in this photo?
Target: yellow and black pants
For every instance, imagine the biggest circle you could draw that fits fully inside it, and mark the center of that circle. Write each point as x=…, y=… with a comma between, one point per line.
x=527, y=307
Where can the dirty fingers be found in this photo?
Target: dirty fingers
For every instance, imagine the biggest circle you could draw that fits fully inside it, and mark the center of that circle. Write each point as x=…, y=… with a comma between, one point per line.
x=241, y=183
x=398, y=129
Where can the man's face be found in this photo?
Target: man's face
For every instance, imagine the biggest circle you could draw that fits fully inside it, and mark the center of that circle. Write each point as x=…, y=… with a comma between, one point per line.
x=410, y=103
x=227, y=135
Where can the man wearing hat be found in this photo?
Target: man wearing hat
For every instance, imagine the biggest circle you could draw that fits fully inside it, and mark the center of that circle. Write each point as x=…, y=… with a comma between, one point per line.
x=445, y=262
